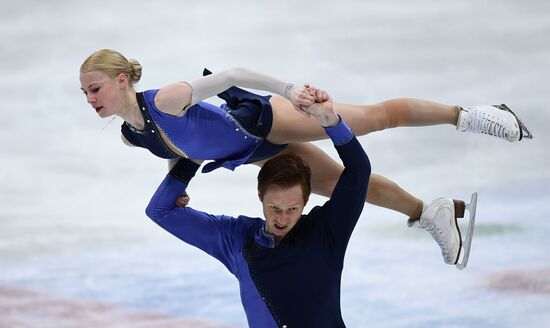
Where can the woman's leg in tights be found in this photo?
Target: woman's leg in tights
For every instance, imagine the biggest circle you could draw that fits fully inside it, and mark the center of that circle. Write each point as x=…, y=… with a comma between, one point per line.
x=292, y=126
x=289, y=126
x=325, y=172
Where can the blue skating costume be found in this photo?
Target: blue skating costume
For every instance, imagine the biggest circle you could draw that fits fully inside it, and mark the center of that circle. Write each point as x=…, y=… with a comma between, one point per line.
x=230, y=135
x=295, y=283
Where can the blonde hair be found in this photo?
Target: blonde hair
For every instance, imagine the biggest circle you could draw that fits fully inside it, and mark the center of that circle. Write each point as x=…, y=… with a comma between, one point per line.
x=112, y=63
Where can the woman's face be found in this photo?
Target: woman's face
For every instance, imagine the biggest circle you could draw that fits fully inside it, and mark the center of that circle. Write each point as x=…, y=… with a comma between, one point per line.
x=106, y=95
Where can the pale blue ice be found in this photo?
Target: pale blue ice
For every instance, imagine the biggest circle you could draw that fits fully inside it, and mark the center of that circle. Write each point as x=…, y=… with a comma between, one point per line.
x=72, y=196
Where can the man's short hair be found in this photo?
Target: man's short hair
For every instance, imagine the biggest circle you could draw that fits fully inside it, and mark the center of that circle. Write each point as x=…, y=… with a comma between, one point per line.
x=286, y=170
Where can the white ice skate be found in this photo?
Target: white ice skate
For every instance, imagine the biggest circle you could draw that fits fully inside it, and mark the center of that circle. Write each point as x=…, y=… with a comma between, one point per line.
x=439, y=218
x=495, y=120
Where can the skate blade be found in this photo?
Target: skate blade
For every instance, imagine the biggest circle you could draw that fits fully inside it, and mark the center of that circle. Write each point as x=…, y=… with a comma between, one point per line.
x=524, y=132
x=467, y=243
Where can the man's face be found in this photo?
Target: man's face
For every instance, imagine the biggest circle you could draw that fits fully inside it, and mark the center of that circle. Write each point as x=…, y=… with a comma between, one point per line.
x=282, y=207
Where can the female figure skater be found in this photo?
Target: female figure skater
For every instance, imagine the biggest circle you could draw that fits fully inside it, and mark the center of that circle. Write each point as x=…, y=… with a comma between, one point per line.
x=174, y=122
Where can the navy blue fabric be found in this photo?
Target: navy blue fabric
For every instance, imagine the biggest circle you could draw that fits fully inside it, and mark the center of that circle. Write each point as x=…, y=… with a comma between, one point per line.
x=254, y=112
x=184, y=170
x=300, y=278
x=149, y=137
x=297, y=282
x=264, y=151
x=229, y=135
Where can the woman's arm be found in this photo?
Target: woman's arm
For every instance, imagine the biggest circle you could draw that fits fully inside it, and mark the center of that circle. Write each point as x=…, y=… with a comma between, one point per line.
x=174, y=98
x=213, y=84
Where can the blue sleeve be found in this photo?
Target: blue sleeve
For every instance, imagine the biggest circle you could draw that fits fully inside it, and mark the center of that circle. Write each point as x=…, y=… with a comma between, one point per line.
x=341, y=212
x=340, y=134
x=213, y=234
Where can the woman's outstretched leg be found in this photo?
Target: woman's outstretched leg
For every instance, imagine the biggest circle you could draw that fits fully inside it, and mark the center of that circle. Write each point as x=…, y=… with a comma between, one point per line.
x=438, y=218
x=291, y=126
x=382, y=191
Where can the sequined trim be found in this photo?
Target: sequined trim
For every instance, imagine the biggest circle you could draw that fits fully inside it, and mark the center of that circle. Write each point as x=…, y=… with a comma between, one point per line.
x=155, y=126
x=239, y=127
x=248, y=250
x=266, y=236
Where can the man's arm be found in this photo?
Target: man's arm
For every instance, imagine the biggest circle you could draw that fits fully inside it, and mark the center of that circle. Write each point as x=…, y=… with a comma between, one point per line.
x=343, y=209
x=212, y=234
x=348, y=197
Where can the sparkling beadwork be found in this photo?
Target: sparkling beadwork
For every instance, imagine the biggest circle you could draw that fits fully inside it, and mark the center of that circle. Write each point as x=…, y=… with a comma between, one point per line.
x=240, y=129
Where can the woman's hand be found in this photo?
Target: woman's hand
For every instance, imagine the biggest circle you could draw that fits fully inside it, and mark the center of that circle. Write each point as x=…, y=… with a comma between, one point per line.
x=300, y=96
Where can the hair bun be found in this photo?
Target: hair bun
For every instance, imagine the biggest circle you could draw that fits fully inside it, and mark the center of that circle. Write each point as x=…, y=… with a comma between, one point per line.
x=135, y=69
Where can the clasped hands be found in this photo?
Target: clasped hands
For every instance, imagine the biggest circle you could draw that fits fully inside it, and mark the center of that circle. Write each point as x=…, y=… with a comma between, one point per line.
x=311, y=101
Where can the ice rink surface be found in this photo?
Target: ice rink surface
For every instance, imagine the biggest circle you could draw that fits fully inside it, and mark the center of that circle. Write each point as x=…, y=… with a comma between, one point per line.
x=76, y=246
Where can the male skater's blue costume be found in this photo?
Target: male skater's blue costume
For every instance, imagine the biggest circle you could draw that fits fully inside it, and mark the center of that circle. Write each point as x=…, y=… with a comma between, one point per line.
x=295, y=283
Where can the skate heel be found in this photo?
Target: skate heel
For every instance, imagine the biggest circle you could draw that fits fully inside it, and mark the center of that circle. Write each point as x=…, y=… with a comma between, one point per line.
x=460, y=207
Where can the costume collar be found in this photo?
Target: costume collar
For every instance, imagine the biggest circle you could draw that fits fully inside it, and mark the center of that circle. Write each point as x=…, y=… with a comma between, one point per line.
x=264, y=237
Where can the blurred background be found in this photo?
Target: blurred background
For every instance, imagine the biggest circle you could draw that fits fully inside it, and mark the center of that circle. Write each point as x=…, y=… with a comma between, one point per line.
x=76, y=249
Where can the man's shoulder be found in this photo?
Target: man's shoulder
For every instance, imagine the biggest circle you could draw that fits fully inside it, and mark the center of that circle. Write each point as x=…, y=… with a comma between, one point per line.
x=312, y=217
x=314, y=211
x=243, y=226
x=247, y=220
x=244, y=223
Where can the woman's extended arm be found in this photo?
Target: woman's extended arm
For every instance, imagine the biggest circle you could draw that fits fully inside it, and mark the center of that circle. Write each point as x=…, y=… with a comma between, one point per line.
x=213, y=84
x=174, y=98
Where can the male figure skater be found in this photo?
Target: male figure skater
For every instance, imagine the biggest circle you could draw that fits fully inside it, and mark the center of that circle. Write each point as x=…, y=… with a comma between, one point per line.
x=289, y=264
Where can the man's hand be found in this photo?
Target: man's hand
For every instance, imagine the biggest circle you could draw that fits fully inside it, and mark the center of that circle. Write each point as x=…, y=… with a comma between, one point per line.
x=183, y=200
x=322, y=109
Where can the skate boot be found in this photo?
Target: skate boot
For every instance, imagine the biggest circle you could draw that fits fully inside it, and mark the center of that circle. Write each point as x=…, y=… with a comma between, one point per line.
x=439, y=218
x=495, y=120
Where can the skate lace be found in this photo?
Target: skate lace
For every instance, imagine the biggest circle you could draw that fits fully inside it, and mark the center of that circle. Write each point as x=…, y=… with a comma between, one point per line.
x=437, y=234
x=488, y=124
